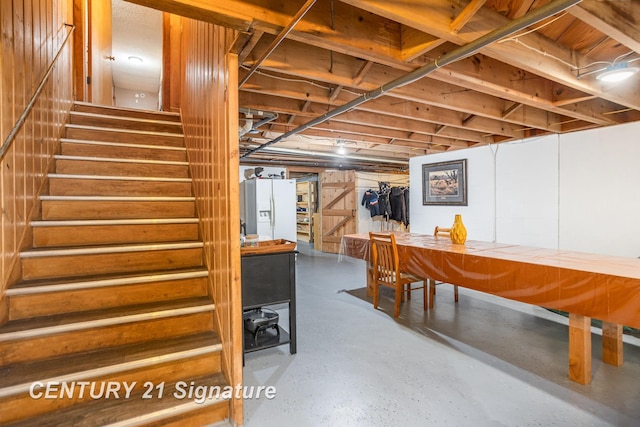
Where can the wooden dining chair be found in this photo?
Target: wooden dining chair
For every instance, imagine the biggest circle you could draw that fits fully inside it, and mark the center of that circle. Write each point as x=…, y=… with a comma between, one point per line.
x=440, y=232
x=387, y=271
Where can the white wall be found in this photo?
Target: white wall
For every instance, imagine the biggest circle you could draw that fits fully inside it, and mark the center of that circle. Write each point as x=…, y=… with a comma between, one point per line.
x=578, y=191
x=369, y=180
x=600, y=191
x=478, y=216
x=127, y=98
x=527, y=192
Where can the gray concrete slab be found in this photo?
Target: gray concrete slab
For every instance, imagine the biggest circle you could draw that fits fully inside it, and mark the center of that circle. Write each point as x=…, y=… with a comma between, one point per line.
x=485, y=361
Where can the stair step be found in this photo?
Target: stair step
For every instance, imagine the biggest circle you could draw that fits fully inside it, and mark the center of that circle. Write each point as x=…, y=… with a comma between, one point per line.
x=96, y=364
x=174, y=408
x=154, y=361
x=126, y=112
x=78, y=147
x=123, y=122
x=119, y=231
x=116, y=207
x=30, y=340
x=94, y=260
x=49, y=297
x=85, y=165
x=95, y=133
x=115, y=290
x=95, y=185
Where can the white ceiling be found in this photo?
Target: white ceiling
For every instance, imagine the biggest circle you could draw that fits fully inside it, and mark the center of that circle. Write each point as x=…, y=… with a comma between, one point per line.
x=137, y=31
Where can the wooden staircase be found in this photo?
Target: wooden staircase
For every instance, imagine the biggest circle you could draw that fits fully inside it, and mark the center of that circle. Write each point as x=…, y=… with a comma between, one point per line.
x=114, y=290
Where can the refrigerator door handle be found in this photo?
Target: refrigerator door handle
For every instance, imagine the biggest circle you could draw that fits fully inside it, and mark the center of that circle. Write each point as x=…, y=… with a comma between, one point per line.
x=273, y=213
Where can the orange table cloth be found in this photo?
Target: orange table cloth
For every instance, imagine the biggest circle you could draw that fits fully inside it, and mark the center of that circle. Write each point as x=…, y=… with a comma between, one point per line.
x=585, y=285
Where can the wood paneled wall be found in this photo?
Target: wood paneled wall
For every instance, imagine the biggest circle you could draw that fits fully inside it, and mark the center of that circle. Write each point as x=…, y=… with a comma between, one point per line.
x=32, y=33
x=209, y=104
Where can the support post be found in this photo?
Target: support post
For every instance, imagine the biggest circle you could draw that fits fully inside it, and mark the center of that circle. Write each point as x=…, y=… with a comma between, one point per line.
x=612, y=353
x=579, y=348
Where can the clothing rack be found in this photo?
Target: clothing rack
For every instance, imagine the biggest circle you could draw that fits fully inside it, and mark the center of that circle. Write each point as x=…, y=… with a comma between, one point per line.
x=390, y=203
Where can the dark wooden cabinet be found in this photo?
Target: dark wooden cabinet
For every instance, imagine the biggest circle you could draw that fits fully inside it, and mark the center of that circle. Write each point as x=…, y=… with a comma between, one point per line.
x=269, y=279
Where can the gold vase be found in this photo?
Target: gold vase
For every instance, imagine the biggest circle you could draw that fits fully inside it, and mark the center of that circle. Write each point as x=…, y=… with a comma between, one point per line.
x=458, y=231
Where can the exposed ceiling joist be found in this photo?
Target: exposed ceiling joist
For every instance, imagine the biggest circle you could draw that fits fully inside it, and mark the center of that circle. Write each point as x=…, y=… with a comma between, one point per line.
x=523, y=86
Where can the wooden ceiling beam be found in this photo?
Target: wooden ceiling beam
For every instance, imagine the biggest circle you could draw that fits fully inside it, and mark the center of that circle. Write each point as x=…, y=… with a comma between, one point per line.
x=407, y=124
x=619, y=20
x=341, y=41
x=273, y=95
x=377, y=34
x=547, y=66
x=293, y=115
x=521, y=9
x=513, y=108
x=324, y=140
x=361, y=40
x=563, y=96
x=416, y=43
x=334, y=94
x=495, y=78
x=298, y=60
x=249, y=45
x=201, y=11
x=465, y=16
x=362, y=72
x=341, y=129
x=454, y=96
x=469, y=119
x=453, y=119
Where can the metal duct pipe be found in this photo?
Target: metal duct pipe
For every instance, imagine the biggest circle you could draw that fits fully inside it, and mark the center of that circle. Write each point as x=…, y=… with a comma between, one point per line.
x=247, y=127
x=260, y=113
x=250, y=124
x=337, y=156
x=462, y=52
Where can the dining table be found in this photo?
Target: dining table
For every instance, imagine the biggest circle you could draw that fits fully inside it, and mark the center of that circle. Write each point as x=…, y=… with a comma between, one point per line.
x=585, y=285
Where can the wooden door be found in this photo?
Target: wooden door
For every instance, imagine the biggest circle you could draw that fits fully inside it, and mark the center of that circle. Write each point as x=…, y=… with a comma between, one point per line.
x=100, y=54
x=339, y=208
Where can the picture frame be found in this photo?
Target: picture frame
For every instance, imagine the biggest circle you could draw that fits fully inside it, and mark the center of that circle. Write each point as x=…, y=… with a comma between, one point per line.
x=445, y=183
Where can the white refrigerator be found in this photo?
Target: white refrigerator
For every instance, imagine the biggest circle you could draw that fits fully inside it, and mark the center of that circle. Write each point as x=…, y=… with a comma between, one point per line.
x=268, y=207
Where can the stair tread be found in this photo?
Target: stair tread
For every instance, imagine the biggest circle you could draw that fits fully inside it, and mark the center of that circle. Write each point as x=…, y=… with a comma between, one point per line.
x=114, y=248
x=121, y=144
x=167, y=114
x=68, y=365
x=119, y=160
x=123, y=131
x=120, y=198
x=40, y=323
x=110, y=411
x=113, y=222
x=112, y=109
x=86, y=282
x=123, y=118
x=117, y=178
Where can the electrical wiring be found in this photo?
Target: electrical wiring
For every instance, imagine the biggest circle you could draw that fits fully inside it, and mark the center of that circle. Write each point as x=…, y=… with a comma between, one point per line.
x=516, y=39
x=309, y=82
x=535, y=29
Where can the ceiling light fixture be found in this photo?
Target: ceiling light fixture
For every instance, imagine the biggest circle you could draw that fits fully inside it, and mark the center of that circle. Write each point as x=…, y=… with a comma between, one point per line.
x=135, y=59
x=341, y=150
x=617, y=72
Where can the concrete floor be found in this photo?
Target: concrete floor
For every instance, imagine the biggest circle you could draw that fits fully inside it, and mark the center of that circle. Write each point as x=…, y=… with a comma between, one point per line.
x=485, y=361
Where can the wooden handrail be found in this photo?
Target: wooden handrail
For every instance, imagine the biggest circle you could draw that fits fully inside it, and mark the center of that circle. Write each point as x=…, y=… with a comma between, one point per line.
x=23, y=117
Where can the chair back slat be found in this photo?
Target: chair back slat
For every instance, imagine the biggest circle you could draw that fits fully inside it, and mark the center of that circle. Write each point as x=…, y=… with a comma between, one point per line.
x=384, y=258
x=386, y=271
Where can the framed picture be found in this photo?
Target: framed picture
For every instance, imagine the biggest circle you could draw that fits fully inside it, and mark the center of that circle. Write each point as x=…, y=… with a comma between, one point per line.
x=445, y=183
